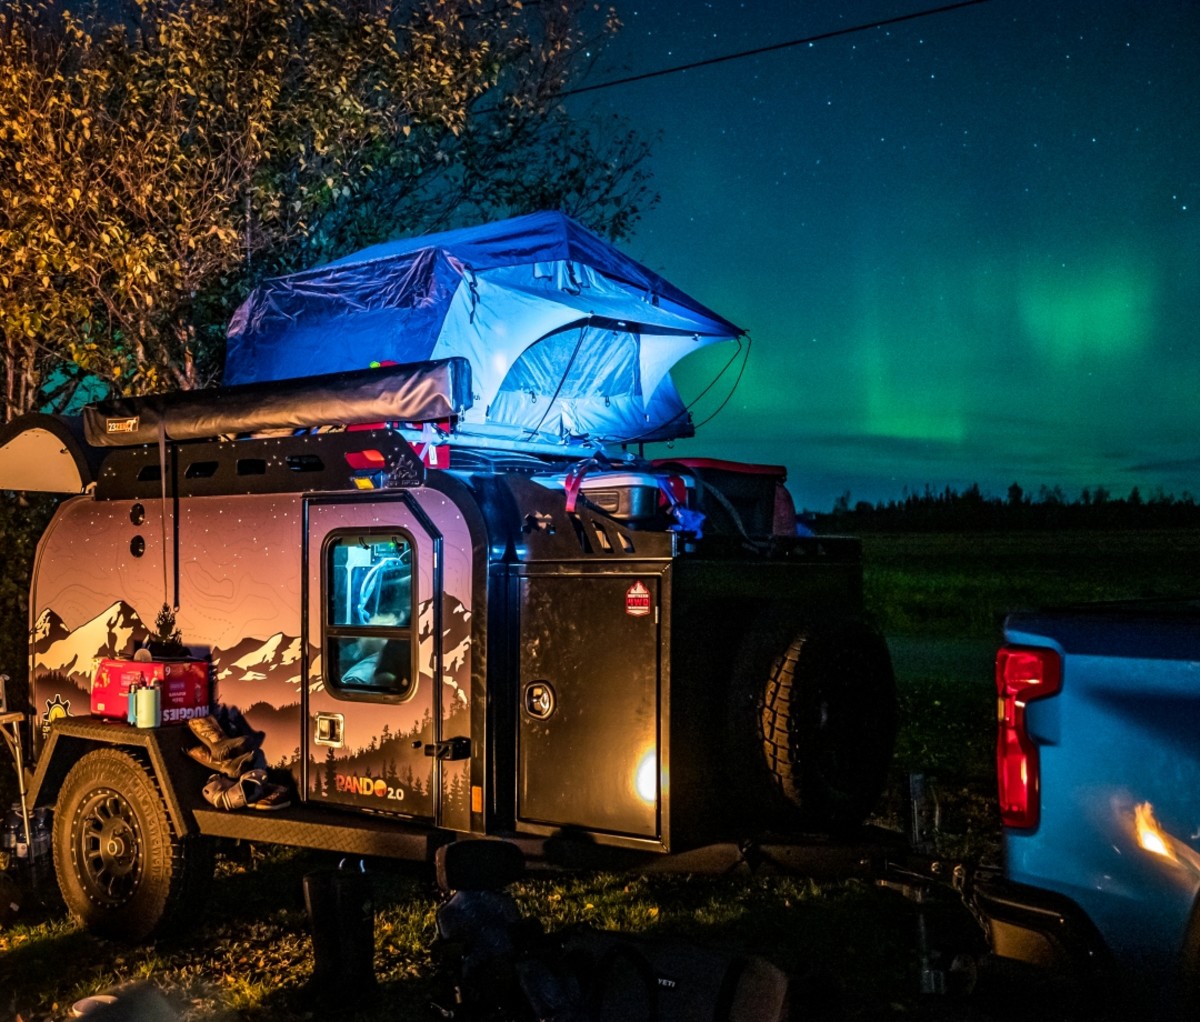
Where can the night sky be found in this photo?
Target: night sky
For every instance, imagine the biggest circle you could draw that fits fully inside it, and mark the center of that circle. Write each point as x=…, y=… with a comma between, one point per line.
x=966, y=248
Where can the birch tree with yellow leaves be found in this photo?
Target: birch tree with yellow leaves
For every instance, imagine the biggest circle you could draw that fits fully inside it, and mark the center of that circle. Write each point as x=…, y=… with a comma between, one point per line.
x=154, y=166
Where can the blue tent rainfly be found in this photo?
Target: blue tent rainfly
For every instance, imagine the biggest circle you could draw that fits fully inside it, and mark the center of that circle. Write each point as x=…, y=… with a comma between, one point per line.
x=569, y=341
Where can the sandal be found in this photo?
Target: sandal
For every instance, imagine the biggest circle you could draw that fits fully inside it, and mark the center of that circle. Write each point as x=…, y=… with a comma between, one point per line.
x=273, y=796
x=251, y=789
x=224, y=792
x=262, y=794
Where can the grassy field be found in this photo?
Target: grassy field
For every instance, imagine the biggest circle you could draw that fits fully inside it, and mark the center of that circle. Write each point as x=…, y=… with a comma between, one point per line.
x=250, y=957
x=852, y=943
x=962, y=584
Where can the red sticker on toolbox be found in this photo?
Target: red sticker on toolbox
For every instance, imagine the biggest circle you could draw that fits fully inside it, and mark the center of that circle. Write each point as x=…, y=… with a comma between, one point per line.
x=637, y=600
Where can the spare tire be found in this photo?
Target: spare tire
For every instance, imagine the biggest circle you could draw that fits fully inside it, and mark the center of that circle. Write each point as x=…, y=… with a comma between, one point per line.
x=815, y=718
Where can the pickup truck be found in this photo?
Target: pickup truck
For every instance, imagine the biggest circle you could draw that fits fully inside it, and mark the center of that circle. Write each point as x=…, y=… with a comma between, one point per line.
x=1098, y=763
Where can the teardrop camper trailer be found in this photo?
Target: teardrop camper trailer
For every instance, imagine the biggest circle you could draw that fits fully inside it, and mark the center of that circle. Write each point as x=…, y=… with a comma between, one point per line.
x=436, y=598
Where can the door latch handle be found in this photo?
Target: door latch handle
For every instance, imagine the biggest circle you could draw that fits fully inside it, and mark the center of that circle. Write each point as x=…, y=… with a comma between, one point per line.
x=539, y=699
x=450, y=748
x=331, y=730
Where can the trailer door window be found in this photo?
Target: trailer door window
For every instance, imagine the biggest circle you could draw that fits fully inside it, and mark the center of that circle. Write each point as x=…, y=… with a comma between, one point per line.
x=369, y=590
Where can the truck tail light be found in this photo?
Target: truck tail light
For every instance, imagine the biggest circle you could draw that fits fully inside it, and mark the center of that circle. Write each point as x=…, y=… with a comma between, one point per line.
x=1022, y=675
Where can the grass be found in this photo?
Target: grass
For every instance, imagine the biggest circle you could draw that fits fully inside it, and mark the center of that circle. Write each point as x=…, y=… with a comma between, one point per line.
x=947, y=735
x=250, y=957
x=962, y=584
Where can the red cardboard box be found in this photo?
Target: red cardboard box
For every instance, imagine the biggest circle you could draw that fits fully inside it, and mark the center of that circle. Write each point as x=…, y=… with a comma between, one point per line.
x=186, y=691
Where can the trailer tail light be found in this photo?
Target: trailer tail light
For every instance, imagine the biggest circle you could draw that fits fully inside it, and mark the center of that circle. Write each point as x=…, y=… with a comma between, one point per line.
x=1022, y=675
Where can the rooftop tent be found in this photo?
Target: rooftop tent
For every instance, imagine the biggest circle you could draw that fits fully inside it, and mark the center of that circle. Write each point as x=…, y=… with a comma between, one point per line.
x=568, y=339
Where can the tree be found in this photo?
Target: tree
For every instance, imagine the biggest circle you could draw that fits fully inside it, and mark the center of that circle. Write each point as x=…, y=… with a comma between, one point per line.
x=155, y=166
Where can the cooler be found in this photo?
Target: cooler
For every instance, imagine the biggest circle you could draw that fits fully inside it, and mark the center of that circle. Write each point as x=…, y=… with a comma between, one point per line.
x=633, y=498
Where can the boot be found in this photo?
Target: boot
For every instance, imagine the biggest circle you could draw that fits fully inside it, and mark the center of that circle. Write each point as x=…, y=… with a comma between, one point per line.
x=234, y=767
x=220, y=746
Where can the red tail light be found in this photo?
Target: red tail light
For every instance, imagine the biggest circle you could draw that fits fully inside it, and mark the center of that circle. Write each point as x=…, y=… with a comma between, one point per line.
x=1022, y=675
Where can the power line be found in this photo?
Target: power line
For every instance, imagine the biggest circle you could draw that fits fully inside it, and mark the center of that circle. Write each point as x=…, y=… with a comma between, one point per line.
x=769, y=49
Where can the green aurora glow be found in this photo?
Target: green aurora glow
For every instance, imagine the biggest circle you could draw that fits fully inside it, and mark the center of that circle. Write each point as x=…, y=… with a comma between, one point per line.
x=966, y=248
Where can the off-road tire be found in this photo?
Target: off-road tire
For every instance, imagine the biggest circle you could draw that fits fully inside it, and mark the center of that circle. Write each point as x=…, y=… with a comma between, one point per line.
x=122, y=870
x=815, y=708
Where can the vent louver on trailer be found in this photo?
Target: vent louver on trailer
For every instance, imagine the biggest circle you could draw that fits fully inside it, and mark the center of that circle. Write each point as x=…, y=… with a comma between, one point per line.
x=344, y=460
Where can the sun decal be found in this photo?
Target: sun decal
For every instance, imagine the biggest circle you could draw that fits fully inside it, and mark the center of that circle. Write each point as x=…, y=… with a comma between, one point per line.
x=56, y=709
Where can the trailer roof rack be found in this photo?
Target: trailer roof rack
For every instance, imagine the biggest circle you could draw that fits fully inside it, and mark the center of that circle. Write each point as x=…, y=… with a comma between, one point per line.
x=345, y=460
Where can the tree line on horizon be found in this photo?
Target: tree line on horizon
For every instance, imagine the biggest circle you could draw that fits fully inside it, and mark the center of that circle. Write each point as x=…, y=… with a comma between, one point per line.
x=1049, y=508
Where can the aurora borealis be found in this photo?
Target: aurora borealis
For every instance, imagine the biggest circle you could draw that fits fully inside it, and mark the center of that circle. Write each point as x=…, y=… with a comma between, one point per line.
x=965, y=247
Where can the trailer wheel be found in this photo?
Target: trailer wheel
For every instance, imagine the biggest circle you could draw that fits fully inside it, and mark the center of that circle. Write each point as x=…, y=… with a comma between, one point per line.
x=818, y=708
x=121, y=869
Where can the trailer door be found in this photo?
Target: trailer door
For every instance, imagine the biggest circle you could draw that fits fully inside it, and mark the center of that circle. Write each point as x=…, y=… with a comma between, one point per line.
x=373, y=709
x=588, y=754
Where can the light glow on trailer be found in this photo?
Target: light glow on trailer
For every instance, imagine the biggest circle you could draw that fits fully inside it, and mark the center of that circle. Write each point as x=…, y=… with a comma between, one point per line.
x=645, y=778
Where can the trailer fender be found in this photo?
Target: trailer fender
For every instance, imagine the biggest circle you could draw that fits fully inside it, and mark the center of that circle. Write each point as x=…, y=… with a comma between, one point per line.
x=162, y=750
